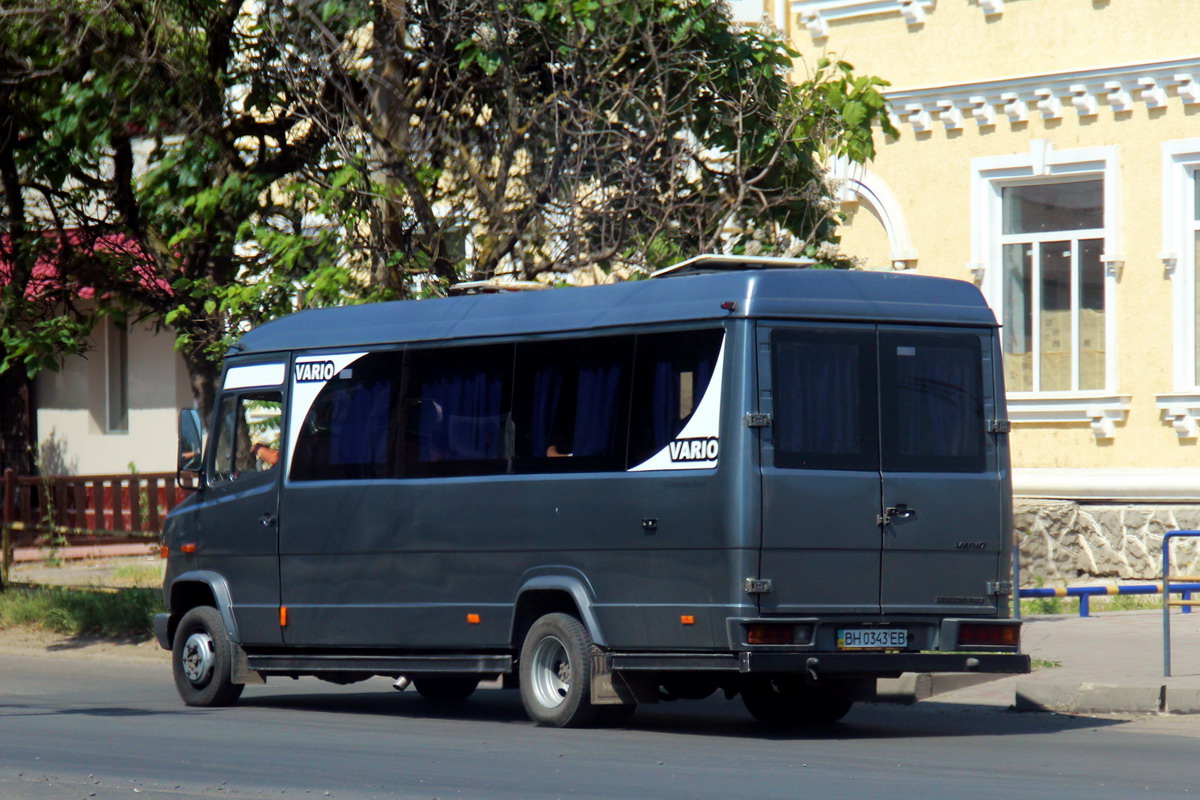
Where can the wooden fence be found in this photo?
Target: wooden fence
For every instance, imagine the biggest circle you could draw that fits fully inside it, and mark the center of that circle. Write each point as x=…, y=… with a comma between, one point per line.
x=83, y=509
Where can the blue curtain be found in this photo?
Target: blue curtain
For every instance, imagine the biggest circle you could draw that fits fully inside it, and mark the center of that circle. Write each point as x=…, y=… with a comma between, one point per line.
x=818, y=397
x=596, y=416
x=460, y=416
x=937, y=395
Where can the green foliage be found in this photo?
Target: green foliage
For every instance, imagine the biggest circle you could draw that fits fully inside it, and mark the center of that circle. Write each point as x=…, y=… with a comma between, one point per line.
x=82, y=612
x=208, y=166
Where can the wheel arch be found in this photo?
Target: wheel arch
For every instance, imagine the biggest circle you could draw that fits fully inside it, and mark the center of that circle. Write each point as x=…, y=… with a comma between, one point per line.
x=544, y=594
x=201, y=588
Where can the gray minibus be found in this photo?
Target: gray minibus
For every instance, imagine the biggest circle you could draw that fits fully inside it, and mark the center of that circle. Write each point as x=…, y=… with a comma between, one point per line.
x=737, y=476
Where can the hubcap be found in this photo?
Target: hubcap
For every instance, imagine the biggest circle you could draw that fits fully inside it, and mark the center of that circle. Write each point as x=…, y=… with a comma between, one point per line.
x=198, y=657
x=551, y=672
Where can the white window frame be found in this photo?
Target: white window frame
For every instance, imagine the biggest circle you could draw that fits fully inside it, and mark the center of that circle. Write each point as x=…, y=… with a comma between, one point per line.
x=1102, y=408
x=1180, y=172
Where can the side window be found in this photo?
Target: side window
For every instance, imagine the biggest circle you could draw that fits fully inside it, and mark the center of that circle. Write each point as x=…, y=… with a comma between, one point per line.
x=932, y=398
x=826, y=412
x=246, y=441
x=457, y=411
x=671, y=372
x=571, y=406
x=352, y=430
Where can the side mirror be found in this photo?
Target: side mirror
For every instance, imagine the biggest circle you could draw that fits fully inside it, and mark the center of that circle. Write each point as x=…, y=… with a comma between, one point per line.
x=190, y=470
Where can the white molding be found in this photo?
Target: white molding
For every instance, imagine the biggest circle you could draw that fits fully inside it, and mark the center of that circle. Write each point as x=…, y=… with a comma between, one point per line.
x=817, y=14
x=1101, y=411
x=1131, y=484
x=1042, y=162
x=857, y=184
x=1180, y=158
x=1182, y=411
x=1120, y=87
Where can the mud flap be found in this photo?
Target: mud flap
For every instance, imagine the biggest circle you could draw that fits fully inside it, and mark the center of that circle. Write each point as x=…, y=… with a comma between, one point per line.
x=610, y=688
x=241, y=672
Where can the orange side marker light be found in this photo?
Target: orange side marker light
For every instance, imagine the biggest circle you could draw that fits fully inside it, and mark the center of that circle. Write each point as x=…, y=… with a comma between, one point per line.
x=473, y=619
x=188, y=548
x=164, y=552
x=687, y=619
x=283, y=616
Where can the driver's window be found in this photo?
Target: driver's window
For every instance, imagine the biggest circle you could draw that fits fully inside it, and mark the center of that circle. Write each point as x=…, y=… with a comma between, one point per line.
x=247, y=435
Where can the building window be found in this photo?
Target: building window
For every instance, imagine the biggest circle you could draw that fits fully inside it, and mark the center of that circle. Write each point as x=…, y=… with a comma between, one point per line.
x=1054, y=287
x=1181, y=256
x=116, y=379
x=1046, y=251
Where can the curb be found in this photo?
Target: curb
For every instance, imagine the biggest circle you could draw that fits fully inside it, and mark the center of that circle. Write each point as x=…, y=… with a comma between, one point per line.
x=912, y=687
x=1099, y=698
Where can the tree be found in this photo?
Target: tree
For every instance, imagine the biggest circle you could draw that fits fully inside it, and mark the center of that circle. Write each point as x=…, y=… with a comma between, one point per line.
x=157, y=162
x=209, y=164
x=566, y=134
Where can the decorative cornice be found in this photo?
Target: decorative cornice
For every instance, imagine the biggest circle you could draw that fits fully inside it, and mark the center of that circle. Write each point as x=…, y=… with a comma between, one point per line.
x=817, y=14
x=1182, y=411
x=1050, y=96
x=1101, y=411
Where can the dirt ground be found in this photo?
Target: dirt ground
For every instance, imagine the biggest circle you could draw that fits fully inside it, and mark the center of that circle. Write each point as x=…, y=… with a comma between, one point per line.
x=103, y=572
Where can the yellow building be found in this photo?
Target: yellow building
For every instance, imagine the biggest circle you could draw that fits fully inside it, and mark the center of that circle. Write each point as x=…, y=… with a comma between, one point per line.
x=1049, y=152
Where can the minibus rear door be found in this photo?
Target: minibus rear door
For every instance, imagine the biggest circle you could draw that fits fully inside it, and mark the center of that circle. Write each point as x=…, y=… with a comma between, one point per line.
x=821, y=537
x=943, y=514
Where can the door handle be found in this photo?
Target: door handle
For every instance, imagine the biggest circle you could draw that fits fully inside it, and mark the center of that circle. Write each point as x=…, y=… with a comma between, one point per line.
x=891, y=513
x=267, y=519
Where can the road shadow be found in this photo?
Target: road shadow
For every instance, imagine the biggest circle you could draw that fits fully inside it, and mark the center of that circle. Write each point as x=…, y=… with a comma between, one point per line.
x=714, y=717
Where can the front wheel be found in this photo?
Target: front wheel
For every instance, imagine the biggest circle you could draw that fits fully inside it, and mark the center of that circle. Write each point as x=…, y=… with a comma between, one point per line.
x=202, y=660
x=556, y=673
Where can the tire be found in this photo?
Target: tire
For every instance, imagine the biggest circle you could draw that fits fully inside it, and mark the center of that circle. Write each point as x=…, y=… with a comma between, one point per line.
x=790, y=701
x=556, y=673
x=448, y=689
x=202, y=660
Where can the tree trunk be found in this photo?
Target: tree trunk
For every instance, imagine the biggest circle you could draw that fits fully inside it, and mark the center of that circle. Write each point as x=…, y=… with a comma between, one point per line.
x=18, y=437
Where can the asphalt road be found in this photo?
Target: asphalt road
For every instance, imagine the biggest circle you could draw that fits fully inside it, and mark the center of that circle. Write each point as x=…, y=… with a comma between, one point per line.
x=80, y=729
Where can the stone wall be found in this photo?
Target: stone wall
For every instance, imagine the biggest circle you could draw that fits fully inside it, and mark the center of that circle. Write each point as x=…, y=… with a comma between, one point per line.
x=1063, y=542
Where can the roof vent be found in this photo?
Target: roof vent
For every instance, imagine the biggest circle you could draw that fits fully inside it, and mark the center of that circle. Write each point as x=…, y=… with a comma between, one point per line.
x=714, y=262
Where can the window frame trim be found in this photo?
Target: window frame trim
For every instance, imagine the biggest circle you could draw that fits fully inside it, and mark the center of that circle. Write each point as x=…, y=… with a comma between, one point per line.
x=1043, y=164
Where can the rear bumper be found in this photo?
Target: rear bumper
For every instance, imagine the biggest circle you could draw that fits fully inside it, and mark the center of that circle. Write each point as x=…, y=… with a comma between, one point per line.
x=816, y=665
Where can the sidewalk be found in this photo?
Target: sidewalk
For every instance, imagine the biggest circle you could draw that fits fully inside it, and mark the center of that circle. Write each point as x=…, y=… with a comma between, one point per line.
x=1110, y=663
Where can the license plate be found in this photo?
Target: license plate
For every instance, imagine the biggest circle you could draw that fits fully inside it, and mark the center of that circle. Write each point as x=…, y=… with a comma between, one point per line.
x=872, y=638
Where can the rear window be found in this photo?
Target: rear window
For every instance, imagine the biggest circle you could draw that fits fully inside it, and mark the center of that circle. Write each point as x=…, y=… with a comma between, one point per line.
x=892, y=401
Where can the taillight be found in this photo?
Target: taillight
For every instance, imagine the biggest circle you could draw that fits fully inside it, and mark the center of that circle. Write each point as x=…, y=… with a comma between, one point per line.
x=977, y=635
x=778, y=633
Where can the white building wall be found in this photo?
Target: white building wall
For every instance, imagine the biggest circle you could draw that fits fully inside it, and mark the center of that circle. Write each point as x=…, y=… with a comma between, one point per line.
x=71, y=410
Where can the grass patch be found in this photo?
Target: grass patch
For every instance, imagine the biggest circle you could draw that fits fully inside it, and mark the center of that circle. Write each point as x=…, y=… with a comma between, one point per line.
x=140, y=574
x=82, y=612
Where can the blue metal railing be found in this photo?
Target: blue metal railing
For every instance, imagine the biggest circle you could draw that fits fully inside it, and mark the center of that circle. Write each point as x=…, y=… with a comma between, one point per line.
x=1185, y=603
x=1086, y=592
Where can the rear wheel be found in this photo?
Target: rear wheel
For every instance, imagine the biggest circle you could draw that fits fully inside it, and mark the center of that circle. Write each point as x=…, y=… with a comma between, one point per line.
x=202, y=659
x=791, y=701
x=556, y=673
x=448, y=689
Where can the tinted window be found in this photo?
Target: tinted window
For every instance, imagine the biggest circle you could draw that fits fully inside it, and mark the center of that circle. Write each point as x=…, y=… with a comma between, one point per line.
x=571, y=407
x=932, y=396
x=825, y=406
x=671, y=374
x=457, y=410
x=246, y=440
x=351, y=431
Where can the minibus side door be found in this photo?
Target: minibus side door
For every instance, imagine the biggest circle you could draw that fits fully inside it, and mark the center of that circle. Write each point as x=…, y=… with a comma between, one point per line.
x=943, y=512
x=238, y=513
x=820, y=469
